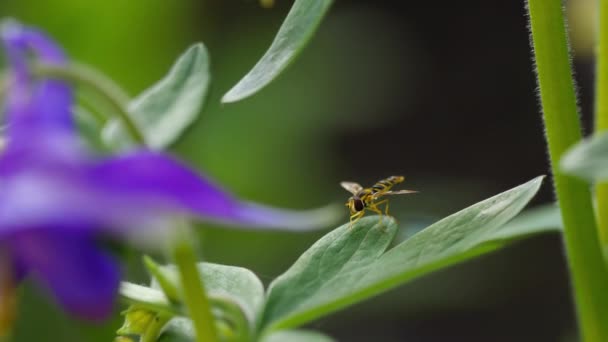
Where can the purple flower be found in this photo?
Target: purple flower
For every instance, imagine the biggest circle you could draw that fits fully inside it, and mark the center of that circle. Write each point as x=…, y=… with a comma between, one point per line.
x=56, y=198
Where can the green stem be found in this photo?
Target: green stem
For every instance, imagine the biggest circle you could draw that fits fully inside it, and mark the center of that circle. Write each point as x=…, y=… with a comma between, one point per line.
x=194, y=295
x=601, y=123
x=8, y=298
x=560, y=113
x=3, y=84
x=103, y=86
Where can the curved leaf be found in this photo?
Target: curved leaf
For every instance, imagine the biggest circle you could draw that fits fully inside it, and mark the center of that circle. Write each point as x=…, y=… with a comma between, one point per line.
x=297, y=29
x=145, y=297
x=296, y=336
x=343, y=268
x=343, y=251
x=532, y=221
x=165, y=110
x=588, y=159
x=236, y=284
x=178, y=329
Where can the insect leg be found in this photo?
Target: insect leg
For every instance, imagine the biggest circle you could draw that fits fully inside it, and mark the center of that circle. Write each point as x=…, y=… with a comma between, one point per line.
x=374, y=207
x=355, y=217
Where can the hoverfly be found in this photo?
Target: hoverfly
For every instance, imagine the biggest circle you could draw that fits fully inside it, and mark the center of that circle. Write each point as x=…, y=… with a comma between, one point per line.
x=366, y=198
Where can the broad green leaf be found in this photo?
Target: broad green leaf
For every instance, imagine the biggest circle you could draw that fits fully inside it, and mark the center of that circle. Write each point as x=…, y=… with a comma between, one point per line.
x=165, y=110
x=533, y=221
x=340, y=269
x=296, y=336
x=223, y=282
x=343, y=251
x=295, y=32
x=588, y=159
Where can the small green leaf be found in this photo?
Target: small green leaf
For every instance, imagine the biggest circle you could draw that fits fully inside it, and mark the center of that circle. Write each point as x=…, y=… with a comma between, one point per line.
x=164, y=284
x=165, y=110
x=222, y=282
x=179, y=329
x=295, y=32
x=588, y=159
x=296, y=336
x=142, y=324
x=342, y=268
x=137, y=321
x=145, y=297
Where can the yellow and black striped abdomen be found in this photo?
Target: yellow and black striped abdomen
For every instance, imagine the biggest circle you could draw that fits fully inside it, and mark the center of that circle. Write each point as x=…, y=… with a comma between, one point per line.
x=386, y=184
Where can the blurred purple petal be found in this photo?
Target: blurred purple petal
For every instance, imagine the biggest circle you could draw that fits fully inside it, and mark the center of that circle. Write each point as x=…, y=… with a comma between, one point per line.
x=82, y=279
x=34, y=108
x=156, y=175
x=257, y=215
x=45, y=49
x=40, y=192
x=148, y=174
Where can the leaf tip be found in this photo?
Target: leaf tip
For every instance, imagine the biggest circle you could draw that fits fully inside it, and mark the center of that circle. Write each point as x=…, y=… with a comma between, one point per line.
x=196, y=49
x=234, y=95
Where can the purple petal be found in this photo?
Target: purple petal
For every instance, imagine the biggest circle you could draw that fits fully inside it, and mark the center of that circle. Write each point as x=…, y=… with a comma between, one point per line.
x=82, y=278
x=46, y=49
x=18, y=94
x=152, y=175
x=34, y=108
x=155, y=175
x=38, y=192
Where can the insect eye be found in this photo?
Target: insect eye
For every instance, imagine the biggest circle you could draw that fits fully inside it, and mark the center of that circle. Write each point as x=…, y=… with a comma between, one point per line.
x=358, y=205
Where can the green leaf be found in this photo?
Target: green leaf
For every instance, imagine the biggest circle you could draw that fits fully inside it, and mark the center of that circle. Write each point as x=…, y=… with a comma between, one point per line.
x=161, y=282
x=142, y=323
x=343, y=251
x=222, y=282
x=137, y=321
x=348, y=266
x=588, y=159
x=295, y=32
x=178, y=330
x=165, y=110
x=536, y=220
x=296, y=336
x=145, y=297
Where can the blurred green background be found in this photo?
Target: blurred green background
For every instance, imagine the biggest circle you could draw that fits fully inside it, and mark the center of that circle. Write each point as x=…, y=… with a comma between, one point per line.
x=442, y=92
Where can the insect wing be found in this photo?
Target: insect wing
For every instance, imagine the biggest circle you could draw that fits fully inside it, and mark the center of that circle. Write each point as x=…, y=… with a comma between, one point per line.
x=351, y=187
x=400, y=192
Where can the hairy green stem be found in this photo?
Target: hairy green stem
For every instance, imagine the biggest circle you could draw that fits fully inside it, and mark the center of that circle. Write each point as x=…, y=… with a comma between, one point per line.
x=103, y=86
x=195, y=298
x=601, y=116
x=562, y=123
